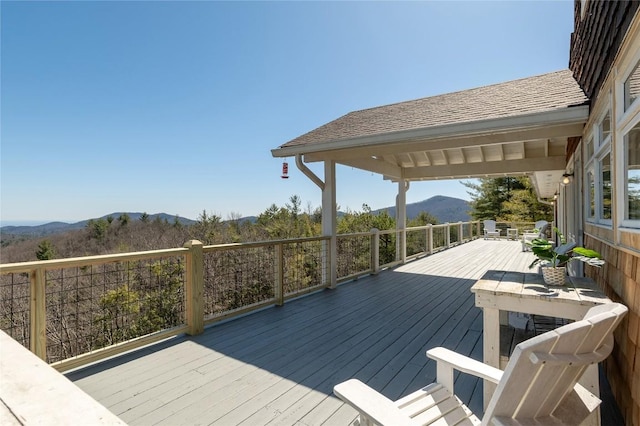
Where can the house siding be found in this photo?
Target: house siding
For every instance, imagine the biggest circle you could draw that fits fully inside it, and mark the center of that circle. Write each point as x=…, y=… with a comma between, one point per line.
x=597, y=36
x=619, y=279
x=604, y=46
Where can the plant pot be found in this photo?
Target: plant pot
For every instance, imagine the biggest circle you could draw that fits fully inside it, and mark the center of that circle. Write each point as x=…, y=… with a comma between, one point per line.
x=554, y=276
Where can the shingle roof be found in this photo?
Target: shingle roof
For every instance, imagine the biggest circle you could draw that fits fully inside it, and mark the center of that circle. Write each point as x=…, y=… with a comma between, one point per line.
x=546, y=92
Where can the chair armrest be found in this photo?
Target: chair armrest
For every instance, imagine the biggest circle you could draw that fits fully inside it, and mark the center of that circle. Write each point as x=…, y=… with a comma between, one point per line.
x=465, y=364
x=371, y=404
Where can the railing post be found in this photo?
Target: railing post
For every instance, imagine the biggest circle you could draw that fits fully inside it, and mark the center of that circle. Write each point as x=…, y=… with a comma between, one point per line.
x=447, y=241
x=279, y=281
x=460, y=233
x=430, y=237
x=479, y=230
x=38, y=327
x=194, y=290
x=375, y=251
x=403, y=245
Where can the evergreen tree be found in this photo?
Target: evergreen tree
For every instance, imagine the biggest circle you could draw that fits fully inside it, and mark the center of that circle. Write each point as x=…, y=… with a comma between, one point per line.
x=45, y=250
x=124, y=219
x=506, y=199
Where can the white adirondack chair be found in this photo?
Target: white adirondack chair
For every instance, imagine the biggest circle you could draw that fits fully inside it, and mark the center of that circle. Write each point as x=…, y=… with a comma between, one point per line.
x=538, y=386
x=539, y=231
x=490, y=230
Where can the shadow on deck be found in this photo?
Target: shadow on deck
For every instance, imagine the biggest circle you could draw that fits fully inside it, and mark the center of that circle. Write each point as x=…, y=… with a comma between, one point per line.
x=278, y=366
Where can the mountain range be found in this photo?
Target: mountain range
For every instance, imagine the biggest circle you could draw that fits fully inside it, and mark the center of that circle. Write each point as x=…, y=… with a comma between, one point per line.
x=445, y=209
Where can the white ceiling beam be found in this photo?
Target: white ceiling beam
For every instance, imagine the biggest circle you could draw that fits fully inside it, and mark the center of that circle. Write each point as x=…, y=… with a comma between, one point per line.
x=413, y=159
x=483, y=169
x=375, y=166
x=561, y=131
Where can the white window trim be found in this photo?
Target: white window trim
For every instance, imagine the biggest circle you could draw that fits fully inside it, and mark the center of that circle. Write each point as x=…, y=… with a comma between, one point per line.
x=626, y=68
x=620, y=165
x=592, y=164
x=600, y=198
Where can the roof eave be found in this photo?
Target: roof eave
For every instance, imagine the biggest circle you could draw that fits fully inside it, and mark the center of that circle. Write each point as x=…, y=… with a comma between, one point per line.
x=568, y=115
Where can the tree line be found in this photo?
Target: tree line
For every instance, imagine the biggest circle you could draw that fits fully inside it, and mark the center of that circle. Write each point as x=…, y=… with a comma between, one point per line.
x=508, y=199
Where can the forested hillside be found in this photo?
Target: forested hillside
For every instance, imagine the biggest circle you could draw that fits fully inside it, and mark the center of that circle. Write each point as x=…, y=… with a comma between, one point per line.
x=123, y=234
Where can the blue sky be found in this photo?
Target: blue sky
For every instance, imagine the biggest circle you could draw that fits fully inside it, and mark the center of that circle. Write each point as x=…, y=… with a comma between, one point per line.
x=174, y=107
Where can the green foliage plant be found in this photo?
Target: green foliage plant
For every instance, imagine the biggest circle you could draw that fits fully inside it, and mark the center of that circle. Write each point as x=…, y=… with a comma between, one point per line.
x=45, y=250
x=549, y=255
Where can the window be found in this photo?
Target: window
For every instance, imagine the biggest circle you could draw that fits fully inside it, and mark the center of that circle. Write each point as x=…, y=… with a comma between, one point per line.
x=591, y=192
x=589, y=148
x=604, y=128
x=632, y=87
x=632, y=173
x=598, y=167
x=605, y=187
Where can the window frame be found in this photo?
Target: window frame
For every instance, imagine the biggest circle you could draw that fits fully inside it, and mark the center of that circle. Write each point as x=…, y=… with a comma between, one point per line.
x=601, y=146
x=621, y=166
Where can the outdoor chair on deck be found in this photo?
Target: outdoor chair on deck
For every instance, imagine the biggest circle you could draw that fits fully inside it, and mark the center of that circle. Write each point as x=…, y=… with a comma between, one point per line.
x=490, y=230
x=538, y=386
x=539, y=231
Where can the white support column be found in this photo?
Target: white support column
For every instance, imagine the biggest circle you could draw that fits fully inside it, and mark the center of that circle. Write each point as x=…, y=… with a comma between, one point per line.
x=329, y=228
x=401, y=221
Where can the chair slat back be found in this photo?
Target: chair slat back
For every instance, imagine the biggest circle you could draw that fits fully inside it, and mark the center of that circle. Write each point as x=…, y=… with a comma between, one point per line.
x=543, y=371
x=490, y=225
x=541, y=226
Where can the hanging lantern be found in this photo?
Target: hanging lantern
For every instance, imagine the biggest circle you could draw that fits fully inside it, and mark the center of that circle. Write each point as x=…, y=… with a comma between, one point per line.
x=285, y=170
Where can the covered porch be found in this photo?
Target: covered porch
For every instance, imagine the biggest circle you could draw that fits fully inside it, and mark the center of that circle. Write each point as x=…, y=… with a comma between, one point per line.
x=278, y=366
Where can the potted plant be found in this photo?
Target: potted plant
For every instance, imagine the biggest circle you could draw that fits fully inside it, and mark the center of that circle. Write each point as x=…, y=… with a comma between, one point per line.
x=553, y=260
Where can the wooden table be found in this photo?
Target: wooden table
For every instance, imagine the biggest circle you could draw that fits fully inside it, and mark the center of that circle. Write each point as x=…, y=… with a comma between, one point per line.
x=509, y=291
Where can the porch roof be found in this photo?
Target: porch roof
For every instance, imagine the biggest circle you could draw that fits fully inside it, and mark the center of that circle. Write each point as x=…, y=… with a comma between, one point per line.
x=520, y=127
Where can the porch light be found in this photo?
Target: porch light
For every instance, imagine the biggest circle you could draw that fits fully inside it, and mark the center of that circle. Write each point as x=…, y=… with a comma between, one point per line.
x=567, y=178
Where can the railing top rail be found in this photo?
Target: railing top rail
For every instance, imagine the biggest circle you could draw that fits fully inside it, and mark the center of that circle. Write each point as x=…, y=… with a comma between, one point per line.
x=355, y=234
x=89, y=260
x=229, y=246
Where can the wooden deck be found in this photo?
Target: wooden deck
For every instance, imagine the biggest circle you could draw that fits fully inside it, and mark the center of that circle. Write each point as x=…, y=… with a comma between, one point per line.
x=278, y=366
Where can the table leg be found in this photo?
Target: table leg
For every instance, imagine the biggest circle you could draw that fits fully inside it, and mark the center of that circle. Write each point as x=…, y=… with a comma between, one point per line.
x=491, y=346
x=591, y=382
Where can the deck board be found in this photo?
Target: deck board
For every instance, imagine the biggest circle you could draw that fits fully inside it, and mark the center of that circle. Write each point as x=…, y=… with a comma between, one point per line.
x=278, y=366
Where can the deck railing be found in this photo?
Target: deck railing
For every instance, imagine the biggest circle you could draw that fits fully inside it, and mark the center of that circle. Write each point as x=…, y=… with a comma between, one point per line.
x=73, y=311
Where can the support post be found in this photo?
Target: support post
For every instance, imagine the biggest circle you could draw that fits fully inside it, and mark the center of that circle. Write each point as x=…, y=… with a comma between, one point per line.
x=38, y=328
x=329, y=213
x=460, y=233
x=430, y=237
x=401, y=221
x=194, y=290
x=375, y=251
x=447, y=237
x=279, y=279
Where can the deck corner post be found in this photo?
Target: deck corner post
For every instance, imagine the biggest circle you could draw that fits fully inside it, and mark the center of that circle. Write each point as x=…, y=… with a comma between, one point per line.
x=460, y=233
x=375, y=251
x=447, y=241
x=430, y=238
x=38, y=328
x=279, y=272
x=479, y=231
x=194, y=291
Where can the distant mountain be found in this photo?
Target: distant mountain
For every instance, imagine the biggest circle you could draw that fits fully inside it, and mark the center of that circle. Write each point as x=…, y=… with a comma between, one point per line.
x=445, y=209
x=58, y=227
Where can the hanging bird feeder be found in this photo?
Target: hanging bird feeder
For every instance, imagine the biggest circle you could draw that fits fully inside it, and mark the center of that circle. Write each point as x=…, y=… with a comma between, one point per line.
x=285, y=170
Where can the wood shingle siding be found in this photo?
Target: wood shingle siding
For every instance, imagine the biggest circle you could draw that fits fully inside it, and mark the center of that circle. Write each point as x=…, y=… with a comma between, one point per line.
x=598, y=33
